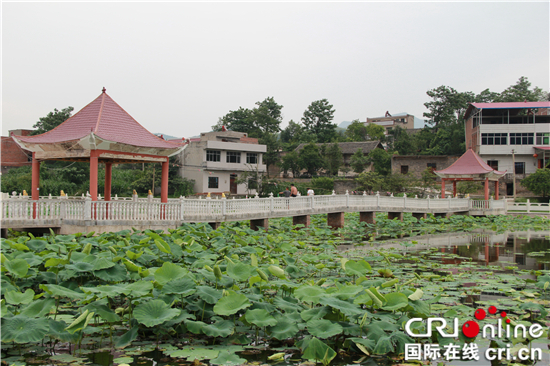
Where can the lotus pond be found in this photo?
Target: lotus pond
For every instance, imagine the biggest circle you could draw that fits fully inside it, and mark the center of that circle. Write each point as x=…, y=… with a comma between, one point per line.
x=287, y=296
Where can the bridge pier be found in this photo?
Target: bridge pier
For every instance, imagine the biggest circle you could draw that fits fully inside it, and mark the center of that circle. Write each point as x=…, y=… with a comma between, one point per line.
x=420, y=215
x=442, y=214
x=335, y=220
x=368, y=217
x=257, y=223
x=395, y=215
x=303, y=220
x=215, y=225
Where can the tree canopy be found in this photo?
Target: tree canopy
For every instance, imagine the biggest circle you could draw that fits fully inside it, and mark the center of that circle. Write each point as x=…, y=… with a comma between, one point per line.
x=318, y=120
x=52, y=120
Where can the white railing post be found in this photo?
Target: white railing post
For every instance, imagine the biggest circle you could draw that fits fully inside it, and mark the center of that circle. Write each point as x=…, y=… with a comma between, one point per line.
x=404, y=200
x=347, y=198
x=224, y=202
x=271, y=204
x=312, y=202
x=63, y=206
x=87, y=208
x=377, y=199
x=449, y=202
x=428, y=201
x=528, y=205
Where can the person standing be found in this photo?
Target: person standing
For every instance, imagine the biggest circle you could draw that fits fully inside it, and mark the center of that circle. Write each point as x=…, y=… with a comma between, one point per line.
x=310, y=192
x=293, y=191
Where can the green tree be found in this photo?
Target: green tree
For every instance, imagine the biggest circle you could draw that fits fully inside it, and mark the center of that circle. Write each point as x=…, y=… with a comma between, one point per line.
x=369, y=181
x=381, y=160
x=271, y=156
x=538, y=182
x=356, y=131
x=291, y=162
x=375, y=132
x=521, y=91
x=334, y=159
x=318, y=120
x=447, y=106
x=401, y=141
x=52, y=120
x=359, y=162
x=310, y=159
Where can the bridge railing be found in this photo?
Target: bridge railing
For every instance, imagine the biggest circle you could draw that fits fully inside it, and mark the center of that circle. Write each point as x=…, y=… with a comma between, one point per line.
x=217, y=209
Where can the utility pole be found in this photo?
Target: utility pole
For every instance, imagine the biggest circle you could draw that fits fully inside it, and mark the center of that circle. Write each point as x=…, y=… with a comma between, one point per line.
x=514, y=176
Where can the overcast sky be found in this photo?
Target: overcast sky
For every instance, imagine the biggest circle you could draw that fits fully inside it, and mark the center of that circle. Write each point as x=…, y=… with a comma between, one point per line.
x=177, y=67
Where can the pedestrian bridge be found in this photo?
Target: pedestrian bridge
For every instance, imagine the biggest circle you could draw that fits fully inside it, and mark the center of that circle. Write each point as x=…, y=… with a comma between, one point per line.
x=67, y=216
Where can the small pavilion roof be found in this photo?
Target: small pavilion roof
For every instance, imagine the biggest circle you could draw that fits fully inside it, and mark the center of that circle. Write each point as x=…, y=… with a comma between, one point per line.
x=102, y=124
x=470, y=165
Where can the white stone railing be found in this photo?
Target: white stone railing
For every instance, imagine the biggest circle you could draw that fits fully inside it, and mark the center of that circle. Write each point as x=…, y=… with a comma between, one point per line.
x=528, y=207
x=226, y=209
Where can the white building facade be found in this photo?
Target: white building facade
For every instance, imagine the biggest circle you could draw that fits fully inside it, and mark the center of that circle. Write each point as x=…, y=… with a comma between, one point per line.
x=216, y=160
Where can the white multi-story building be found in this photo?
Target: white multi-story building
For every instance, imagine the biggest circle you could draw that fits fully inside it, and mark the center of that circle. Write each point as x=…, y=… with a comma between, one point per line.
x=217, y=159
x=510, y=136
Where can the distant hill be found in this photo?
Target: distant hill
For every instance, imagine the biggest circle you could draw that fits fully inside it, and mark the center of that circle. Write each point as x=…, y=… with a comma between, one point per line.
x=344, y=124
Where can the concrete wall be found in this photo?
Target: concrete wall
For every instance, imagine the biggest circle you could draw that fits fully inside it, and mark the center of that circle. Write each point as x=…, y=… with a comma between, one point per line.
x=418, y=163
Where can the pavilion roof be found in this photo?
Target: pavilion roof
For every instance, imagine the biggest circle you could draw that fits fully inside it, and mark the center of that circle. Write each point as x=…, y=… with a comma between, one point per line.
x=470, y=165
x=105, y=119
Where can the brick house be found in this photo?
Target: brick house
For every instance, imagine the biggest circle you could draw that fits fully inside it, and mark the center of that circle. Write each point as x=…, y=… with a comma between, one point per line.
x=12, y=154
x=416, y=164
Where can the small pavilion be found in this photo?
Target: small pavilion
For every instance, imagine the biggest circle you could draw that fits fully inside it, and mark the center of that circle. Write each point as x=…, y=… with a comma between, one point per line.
x=102, y=133
x=469, y=167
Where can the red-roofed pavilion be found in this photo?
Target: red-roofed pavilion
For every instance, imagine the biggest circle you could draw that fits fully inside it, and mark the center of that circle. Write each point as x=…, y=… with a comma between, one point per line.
x=469, y=167
x=101, y=132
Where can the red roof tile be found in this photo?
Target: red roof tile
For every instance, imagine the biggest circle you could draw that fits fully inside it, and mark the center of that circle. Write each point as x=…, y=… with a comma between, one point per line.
x=468, y=163
x=107, y=120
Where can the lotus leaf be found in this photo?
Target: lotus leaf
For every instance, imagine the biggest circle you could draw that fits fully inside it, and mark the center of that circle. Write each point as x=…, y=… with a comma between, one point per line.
x=36, y=245
x=231, y=304
x=219, y=329
x=194, y=353
x=395, y=301
x=18, y=267
x=310, y=294
x=344, y=306
x=228, y=358
x=168, y=272
x=315, y=313
x=21, y=329
x=80, y=322
x=260, y=318
x=287, y=304
x=318, y=351
x=139, y=288
x=105, y=291
x=116, y=273
x=80, y=267
x=38, y=308
x=357, y=268
x=346, y=292
x=16, y=297
x=367, y=343
x=103, y=311
x=56, y=290
x=323, y=328
x=417, y=295
x=400, y=339
x=194, y=327
x=154, y=312
x=180, y=286
x=240, y=271
x=209, y=294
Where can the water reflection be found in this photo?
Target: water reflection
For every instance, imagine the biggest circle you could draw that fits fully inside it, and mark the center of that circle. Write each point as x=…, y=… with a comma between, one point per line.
x=484, y=247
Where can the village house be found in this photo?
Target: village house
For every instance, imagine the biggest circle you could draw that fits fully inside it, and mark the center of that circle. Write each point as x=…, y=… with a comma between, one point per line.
x=12, y=154
x=217, y=159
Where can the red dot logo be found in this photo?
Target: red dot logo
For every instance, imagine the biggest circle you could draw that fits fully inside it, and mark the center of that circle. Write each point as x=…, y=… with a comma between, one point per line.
x=480, y=314
x=470, y=329
x=503, y=314
x=492, y=310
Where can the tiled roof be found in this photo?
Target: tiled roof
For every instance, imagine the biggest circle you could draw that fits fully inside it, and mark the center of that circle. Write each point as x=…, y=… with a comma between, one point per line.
x=107, y=120
x=468, y=164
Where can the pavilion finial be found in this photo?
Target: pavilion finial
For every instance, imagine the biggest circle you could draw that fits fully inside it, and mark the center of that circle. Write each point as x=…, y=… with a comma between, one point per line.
x=103, y=90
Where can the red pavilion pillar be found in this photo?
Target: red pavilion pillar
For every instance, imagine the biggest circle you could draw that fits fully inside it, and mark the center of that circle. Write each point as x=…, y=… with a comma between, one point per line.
x=442, y=188
x=35, y=184
x=486, y=189
x=454, y=188
x=108, y=178
x=94, y=162
x=164, y=183
x=496, y=190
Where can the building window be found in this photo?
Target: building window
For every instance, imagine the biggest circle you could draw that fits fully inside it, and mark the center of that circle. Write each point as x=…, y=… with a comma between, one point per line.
x=543, y=138
x=251, y=158
x=494, y=138
x=521, y=138
x=213, y=155
x=212, y=182
x=233, y=157
x=432, y=166
x=520, y=167
x=493, y=164
x=404, y=169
